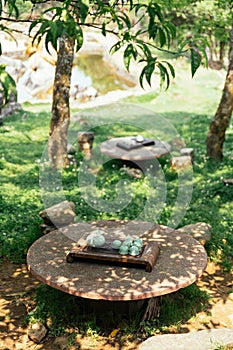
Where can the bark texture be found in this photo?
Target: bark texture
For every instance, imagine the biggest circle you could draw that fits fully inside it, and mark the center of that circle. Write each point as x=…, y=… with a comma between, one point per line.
x=60, y=108
x=218, y=126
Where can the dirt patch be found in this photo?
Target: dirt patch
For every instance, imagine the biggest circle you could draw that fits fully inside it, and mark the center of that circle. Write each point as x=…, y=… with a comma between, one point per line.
x=17, y=292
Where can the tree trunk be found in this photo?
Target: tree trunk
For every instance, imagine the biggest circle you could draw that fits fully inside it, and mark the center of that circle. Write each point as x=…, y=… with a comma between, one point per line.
x=60, y=108
x=218, y=126
x=221, y=51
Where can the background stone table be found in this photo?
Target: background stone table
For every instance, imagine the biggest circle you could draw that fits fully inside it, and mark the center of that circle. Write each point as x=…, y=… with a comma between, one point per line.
x=110, y=148
x=181, y=261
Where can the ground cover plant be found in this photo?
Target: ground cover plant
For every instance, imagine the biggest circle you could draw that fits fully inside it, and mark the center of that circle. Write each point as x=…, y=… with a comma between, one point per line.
x=189, y=106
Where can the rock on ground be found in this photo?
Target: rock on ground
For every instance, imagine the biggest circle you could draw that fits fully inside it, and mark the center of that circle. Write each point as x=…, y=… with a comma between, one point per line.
x=201, y=340
x=37, y=332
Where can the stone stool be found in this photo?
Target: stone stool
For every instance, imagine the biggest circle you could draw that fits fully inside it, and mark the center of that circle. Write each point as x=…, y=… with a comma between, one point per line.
x=58, y=215
x=187, y=152
x=181, y=163
x=85, y=142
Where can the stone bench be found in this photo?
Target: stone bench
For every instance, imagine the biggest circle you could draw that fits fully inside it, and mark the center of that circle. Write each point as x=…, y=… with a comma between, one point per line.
x=183, y=161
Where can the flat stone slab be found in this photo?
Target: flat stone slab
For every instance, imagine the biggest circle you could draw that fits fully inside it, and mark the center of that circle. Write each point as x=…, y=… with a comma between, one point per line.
x=201, y=340
x=181, y=262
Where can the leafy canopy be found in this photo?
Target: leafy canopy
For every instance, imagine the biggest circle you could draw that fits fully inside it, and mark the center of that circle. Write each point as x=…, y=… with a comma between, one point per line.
x=209, y=21
x=142, y=30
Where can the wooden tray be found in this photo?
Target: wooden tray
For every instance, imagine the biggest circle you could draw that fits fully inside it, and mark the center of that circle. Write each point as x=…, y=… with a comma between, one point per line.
x=131, y=144
x=146, y=258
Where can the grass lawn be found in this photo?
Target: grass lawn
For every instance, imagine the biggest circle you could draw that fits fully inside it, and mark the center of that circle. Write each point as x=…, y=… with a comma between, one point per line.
x=184, y=113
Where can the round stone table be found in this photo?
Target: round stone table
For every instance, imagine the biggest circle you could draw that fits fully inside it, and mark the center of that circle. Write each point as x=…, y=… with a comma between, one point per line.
x=111, y=149
x=181, y=261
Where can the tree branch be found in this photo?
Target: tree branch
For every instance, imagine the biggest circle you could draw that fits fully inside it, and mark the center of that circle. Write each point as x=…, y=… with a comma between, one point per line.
x=15, y=20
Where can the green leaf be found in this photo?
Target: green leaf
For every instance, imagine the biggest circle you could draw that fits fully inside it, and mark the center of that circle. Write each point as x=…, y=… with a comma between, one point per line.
x=171, y=68
x=83, y=11
x=154, y=11
x=49, y=39
x=104, y=29
x=167, y=35
x=162, y=37
x=129, y=53
x=13, y=8
x=127, y=36
x=33, y=25
x=152, y=29
x=56, y=10
x=125, y=19
x=164, y=76
x=184, y=46
x=7, y=83
x=172, y=29
x=70, y=28
x=79, y=38
x=145, y=49
x=53, y=33
x=42, y=30
x=147, y=73
x=204, y=56
x=195, y=61
x=116, y=47
x=159, y=13
x=131, y=5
